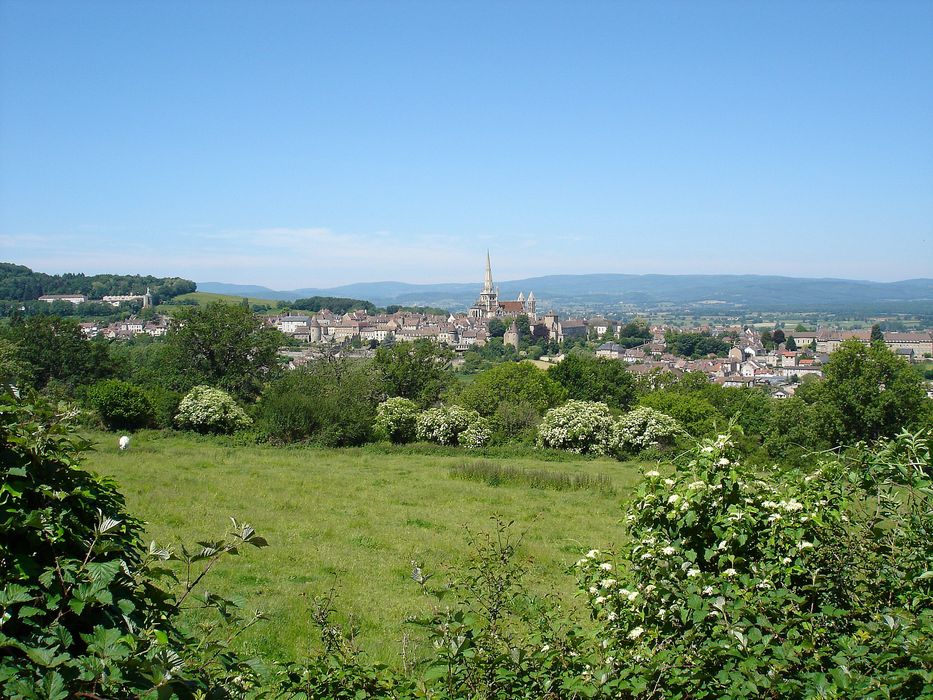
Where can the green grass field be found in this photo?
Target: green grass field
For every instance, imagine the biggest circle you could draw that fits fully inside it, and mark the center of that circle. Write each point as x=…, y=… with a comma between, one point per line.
x=207, y=297
x=355, y=518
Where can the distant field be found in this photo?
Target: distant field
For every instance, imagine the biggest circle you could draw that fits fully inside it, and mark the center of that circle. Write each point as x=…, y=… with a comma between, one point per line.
x=354, y=517
x=208, y=297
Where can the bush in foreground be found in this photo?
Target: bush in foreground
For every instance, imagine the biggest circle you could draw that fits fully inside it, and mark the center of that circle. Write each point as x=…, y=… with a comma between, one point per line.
x=740, y=587
x=86, y=609
x=208, y=410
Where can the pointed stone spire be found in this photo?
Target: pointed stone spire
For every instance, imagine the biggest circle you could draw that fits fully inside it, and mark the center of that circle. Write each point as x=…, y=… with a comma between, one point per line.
x=487, y=283
x=521, y=296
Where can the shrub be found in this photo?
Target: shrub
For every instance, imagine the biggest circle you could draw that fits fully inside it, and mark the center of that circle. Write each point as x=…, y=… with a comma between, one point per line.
x=476, y=435
x=396, y=420
x=735, y=586
x=164, y=405
x=642, y=428
x=515, y=422
x=697, y=415
x=584, y=427
x=444, y=424
x=329, y=402
x=121, y=405
x=208, y=410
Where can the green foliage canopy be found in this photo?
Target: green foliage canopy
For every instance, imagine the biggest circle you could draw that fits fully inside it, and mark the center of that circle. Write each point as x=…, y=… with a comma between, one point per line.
x=695, y=345
x=55, y=349
x=331, y=402
x=419, y=371
x=595, y=379
x=867, y=392
x=515, y=383
x=222, y=345
x=121, y=405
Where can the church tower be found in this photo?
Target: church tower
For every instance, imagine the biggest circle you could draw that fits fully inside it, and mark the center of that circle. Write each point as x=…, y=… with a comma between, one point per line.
x=489, y=297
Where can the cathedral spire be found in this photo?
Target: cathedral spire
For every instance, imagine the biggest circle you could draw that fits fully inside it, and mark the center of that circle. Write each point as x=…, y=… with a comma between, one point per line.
x=487, y=284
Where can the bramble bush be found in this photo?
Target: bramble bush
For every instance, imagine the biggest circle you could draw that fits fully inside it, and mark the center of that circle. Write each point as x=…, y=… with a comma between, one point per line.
x=584, y=427
x=121, y=405
x=208, y=410
x=397, y=419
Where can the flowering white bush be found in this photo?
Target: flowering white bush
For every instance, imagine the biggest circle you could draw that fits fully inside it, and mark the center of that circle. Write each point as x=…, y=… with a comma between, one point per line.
x=642, y=428
x=396, y=419
x=209, y=410
x=749, y=575
x=584, y=427
x=444, y=424
x=477, y=435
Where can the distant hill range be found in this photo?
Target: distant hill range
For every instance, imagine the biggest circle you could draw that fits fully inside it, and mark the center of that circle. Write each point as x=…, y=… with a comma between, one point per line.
x=598, y=291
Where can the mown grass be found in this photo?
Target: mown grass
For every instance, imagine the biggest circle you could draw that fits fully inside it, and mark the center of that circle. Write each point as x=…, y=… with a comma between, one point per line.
x=354, y=518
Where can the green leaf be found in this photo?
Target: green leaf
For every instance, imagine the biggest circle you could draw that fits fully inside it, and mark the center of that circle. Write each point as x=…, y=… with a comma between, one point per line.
x=53, y=687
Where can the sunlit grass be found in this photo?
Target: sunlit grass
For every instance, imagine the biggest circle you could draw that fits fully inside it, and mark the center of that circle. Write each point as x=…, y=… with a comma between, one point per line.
x=354, y=518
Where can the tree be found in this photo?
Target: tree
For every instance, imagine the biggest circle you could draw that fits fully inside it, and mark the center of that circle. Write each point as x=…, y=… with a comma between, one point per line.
x=419, y=371
x=222, y=345
x=14, y=370
x=695, y=345
x=88, y=608
x=867, y=392
x=778, y=336
x=496, y=328
x=767, y=340
x=876, y=333
x=55, y=349
x=595, y=379
x=514, y=383
x=791, y=344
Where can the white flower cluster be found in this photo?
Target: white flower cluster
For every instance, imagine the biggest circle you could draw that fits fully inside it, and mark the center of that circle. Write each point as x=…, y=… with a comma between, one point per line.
x=445, y=425
x=209, y=410
x=396, y=419
x=584, y=427
x=476, y=435
x=642, y=428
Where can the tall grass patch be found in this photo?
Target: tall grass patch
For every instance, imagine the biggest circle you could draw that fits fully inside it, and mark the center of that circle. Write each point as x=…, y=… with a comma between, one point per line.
x=494, y=474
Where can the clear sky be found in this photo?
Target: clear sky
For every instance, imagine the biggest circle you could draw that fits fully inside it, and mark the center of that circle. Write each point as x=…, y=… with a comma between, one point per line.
x=296, y=144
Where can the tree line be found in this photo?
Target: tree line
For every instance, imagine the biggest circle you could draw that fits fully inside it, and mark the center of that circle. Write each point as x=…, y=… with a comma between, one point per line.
x=19, y=283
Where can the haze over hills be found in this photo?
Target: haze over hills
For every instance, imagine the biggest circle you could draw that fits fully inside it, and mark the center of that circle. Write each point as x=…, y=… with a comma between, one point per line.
x=751, y=291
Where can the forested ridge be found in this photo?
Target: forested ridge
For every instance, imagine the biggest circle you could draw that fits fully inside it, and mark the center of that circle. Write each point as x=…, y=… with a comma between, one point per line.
x=19, y=283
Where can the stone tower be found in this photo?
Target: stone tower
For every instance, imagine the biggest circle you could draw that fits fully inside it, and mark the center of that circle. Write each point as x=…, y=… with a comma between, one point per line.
x=314, y=331
x=511, y=336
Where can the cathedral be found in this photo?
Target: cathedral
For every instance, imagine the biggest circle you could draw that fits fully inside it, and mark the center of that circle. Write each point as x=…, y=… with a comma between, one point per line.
x=489, y=306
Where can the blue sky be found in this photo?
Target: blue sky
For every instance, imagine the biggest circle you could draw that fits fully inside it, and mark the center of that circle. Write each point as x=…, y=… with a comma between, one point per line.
x=296, y=144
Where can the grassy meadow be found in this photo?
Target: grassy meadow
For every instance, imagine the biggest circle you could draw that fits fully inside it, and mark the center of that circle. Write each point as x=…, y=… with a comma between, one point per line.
x=355, y=518
x=204, y=298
